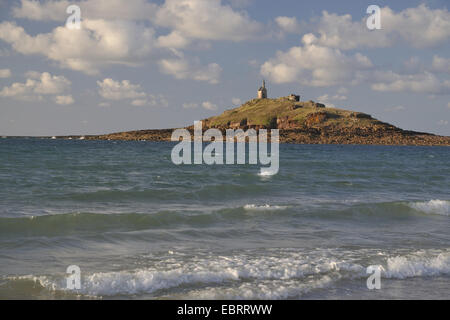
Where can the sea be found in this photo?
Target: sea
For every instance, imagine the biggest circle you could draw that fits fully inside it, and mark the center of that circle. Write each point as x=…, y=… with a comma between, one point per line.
x=140, y=227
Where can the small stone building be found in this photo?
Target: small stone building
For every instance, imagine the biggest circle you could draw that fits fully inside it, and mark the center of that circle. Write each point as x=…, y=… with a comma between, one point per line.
x=262, y=92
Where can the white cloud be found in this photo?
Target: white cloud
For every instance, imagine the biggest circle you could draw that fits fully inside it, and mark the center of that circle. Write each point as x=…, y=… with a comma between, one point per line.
x=419, y=83
x=209, y=106
x=5, y=73
x=64, y=100
x=315, y=65
x=206, y=20
x=92, y=9
x=182, y=68
x=110, y=89
x=174, y=40
x=97, y=44
x=36, y=86
x=419, y=27
x=288, y=24
x=442, y=122
x=115, y=90
x=441, y=64
x=342, y=32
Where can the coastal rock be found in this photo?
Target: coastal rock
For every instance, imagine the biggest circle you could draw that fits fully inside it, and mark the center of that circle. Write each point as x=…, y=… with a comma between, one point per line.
x=316, y=118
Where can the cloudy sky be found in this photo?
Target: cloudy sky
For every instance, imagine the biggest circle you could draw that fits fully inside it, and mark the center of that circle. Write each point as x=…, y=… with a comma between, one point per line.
x=138, y=64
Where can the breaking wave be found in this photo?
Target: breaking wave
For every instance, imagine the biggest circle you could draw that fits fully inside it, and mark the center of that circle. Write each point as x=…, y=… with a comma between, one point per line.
x=441, y=207
x=266, y=207
x=271, y=276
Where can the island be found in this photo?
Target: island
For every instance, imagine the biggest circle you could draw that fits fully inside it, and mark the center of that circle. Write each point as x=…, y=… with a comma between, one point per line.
x=300, y=122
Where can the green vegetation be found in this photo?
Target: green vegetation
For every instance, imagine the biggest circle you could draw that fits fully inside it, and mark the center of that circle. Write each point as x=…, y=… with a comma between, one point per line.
x=265, y=112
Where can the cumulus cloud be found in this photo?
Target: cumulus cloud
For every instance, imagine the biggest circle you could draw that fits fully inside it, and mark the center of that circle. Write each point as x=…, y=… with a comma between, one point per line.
x=64, y=100
x=115, y=90
x=5, y=73
x=112, y=33
x=97, y=44
x=288, y=24
x=315, y=65
x=182, y=68
x=428, y=83
x=419, y=27
x=174, y=40
x=55, y=10
x=36, y=87
x=110, y=89
x=206, y=20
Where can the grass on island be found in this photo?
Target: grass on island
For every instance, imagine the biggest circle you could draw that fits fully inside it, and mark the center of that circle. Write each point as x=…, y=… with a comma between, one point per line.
x=265, y=111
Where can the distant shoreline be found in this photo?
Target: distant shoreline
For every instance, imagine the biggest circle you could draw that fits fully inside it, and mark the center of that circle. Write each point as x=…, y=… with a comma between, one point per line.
x=289, y=136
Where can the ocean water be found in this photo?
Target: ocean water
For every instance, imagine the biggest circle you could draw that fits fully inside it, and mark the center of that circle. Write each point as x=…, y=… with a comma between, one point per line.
x=140, y=227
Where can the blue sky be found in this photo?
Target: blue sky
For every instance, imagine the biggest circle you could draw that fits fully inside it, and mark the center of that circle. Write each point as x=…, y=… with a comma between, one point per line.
x=137, y=64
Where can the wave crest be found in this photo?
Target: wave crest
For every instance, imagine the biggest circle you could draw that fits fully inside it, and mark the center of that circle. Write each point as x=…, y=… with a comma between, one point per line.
x=441, y=207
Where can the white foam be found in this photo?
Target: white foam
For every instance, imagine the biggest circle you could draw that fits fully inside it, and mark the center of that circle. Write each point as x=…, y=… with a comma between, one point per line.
x=273, y=274
x=441, y=207
x=254, y=207
x=261, y=290
x=417, y=265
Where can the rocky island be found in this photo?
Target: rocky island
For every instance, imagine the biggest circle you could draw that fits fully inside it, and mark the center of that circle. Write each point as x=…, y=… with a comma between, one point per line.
x=302, y=122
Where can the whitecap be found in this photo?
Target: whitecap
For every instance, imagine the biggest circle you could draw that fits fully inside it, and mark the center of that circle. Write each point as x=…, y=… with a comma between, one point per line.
x=441, y=207
x=254, y=207
x=419, y=265
x=279, y=274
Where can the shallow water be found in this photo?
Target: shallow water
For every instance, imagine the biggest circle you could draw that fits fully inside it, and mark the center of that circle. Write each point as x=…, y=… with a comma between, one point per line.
x=140, y=227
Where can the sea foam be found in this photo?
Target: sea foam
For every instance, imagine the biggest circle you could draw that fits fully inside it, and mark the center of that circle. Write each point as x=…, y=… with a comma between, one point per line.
x=274, y=275
x=266, y=207
x=441, y=207
x=418, y=265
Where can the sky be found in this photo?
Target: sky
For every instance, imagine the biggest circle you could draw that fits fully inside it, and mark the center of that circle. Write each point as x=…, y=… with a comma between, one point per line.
x=139, y=64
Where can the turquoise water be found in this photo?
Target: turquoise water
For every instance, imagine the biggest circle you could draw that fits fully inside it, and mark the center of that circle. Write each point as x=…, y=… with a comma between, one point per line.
x=140, y=227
